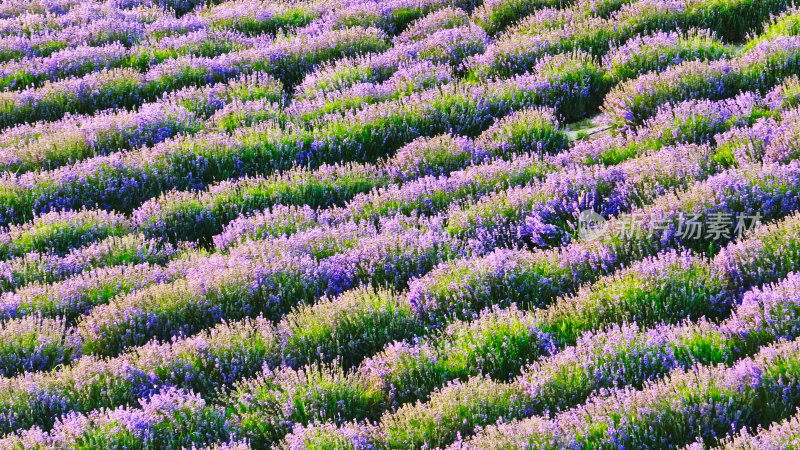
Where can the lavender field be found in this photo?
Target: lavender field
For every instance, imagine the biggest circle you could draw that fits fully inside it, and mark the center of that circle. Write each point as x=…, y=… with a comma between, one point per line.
x=399, y=224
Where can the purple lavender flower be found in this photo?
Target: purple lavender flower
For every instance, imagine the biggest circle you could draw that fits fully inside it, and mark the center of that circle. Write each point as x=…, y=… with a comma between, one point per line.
x=58, y=232
x=442, y=19
x=656, y=52
x=779, y=435
x=350, y=436
x=35, y=343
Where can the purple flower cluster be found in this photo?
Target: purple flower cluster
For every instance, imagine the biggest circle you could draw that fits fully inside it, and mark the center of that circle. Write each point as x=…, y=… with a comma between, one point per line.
x=276, y=221
x=84, y=59
x=197, y=216
x=431, y=194
x=390, y=16
x=70, y=61
x=239, y=114
x=159, y=420
x=461, y=288
x=449, y=46
x=434, y=156
x=35, y=343
x=662, y=289
x=442, y=19
x=497, y=344
x=205, y=362
x=407, y=79
x=761, y=67
x=60, y=231
x=79, y=294
x=765, y=255
x=254, y=17
x=784, y=434
x=656, y=52
x=114, y=250
x=79, y=137
x=495, y=15
x=762, y=190
x=350, y=436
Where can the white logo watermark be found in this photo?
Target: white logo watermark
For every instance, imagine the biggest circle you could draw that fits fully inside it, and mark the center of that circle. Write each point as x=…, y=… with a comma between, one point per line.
x=713, y=226
x=591, y=225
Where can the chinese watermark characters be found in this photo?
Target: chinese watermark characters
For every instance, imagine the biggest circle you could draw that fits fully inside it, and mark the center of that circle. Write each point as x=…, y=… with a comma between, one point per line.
x=713, y=226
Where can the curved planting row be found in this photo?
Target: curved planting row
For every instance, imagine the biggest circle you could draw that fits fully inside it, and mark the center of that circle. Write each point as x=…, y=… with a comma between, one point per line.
x=759, y=69
x=755, y=391
x=782, y=434
x=125, y=27
x=59, y=232
x=48, y=267
x=47, y=145
x=78, y=61
x=445, y=47
x=517, y=51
